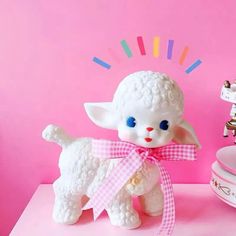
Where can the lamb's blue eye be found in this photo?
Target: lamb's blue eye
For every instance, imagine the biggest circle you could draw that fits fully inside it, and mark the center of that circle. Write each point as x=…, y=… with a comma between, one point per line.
x=164, y=125
x=131, y=122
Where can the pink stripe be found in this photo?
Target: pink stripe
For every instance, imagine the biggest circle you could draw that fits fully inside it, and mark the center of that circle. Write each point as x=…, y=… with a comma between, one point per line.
x=114, y=55
x=141, y=45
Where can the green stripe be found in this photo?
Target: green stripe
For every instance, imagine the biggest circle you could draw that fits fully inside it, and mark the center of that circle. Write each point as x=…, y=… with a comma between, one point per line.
x=126, y=48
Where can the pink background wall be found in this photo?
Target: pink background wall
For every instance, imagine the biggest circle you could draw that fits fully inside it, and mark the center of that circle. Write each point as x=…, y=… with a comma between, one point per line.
x=46, y=74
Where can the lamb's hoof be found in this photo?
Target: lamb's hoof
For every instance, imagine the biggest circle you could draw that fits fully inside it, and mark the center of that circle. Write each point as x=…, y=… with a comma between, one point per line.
x=66, y=216
x=130, y=221
x=225, y=136
x=132, y=225
x=155, y=213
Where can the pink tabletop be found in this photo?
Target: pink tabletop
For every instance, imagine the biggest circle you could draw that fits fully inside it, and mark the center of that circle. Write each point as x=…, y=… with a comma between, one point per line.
x=198, y=211
x=226, y=157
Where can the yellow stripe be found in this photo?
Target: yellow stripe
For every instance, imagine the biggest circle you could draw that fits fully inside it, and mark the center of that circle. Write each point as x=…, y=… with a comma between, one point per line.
x=156, y=44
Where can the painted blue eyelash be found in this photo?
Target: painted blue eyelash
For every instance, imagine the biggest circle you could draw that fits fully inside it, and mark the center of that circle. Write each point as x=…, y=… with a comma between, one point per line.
x=131, y=122
x=164, y=125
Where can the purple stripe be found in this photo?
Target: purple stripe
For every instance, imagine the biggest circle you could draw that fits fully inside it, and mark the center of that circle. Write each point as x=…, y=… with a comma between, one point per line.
x=170, y=48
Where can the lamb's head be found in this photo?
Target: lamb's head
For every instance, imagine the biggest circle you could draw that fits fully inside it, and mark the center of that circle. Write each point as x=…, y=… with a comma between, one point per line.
x=146, y=110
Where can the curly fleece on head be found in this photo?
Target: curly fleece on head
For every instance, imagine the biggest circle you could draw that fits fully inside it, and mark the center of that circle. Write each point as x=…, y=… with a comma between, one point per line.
x=153, y=89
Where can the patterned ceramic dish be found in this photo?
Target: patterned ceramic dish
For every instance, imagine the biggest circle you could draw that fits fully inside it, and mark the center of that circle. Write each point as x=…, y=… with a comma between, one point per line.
x=223, y=181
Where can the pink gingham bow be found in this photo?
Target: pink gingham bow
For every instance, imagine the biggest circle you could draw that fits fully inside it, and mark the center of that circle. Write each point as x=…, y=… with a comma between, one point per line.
x=132, y=158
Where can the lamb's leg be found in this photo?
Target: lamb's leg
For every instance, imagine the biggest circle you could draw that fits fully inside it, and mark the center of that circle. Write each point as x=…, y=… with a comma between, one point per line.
x=225, y=131
x=67, y=206
x=122, y=213
x=152, y=202
x=234, y=132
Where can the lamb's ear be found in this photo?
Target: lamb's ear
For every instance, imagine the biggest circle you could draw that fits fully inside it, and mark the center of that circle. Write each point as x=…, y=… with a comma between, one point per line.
x=185, y=134
x=101, y=114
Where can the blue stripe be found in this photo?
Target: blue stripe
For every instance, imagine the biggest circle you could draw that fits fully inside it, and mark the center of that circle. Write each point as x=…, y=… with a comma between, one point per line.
x=101, y=63
x=193, y=66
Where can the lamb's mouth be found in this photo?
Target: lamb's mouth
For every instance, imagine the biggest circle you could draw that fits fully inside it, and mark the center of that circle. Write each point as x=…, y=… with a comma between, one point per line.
x=148, y=140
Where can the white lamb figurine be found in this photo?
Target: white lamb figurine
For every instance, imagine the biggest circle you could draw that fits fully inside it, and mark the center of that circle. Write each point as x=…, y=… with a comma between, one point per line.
x=147, y=111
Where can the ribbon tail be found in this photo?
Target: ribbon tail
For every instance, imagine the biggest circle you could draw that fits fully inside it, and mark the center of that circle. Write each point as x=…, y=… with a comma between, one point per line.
x=113, y=183
x=101, y=198
x=168, y=218
x=89, y=205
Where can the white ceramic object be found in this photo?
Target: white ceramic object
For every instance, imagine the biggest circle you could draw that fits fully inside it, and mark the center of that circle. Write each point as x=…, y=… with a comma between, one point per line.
x=229, y=94
x=226, y=157
x=146, y=110
x=223, y=180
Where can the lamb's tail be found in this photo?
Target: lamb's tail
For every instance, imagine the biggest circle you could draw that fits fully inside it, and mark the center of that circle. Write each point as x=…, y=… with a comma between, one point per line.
x=53, y=133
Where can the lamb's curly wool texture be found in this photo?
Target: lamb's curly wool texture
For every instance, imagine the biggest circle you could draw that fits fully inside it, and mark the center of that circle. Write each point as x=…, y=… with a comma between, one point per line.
x=153, y=89
x=82, y=173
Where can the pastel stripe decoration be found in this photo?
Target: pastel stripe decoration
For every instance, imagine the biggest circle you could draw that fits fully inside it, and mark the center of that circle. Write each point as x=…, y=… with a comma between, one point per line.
x=115, y=56
x=170, y=49
x=193, y=66
x=141, y=45
x=126, y=48
x=183, y=55
x=101, y=63
x=156, y=46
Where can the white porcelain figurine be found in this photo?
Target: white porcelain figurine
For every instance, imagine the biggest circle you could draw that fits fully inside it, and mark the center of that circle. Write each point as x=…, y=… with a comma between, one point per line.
x=146, y=110
x=228, y=93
